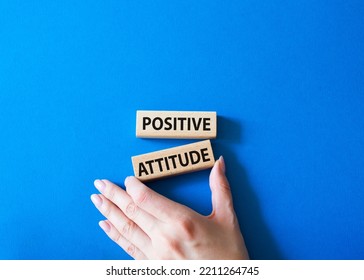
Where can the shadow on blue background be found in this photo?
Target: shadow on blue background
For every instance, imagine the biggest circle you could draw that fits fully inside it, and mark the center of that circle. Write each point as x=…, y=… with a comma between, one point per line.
x=256, y=233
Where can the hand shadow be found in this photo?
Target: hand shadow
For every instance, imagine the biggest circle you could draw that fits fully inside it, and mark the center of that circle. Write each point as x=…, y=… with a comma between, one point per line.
x=258, y=239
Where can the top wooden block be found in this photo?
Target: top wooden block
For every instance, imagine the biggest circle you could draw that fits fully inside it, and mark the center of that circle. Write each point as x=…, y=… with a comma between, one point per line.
x=176, y=124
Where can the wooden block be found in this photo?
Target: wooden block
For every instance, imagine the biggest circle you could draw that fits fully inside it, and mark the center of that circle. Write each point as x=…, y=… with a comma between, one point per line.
x=173, y=161
x=176, y=124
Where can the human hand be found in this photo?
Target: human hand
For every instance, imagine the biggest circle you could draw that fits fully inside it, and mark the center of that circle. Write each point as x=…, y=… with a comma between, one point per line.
x=148, y=225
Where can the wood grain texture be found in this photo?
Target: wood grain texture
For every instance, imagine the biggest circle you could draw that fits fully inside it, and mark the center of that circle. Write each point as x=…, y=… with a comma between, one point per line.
x=173, y=161
x=176, y=124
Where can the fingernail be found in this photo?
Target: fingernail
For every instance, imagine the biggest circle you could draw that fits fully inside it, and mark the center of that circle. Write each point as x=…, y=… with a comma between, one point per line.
x=127, y=179
x=105, y=226
x=100, y=185
x=96, y=199
x=222, y=163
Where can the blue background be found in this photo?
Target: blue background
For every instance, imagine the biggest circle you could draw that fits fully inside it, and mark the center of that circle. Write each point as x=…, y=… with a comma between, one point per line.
x=286, y=80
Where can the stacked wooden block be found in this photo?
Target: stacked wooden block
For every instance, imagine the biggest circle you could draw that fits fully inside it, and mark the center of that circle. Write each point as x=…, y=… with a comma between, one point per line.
x=181, y=159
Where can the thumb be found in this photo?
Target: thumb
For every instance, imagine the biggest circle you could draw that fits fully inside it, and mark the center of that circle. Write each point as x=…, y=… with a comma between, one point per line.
x=222, y=202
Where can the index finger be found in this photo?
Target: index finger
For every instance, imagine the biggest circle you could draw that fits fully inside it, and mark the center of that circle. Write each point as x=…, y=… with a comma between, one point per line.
x=125, y=203
x=152, y=202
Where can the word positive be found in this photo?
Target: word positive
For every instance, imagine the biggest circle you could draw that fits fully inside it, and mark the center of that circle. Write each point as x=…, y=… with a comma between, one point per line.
x=176, y=124
x=174, y=161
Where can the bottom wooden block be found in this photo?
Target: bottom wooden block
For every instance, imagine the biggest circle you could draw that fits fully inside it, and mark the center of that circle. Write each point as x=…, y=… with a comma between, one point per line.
x=173, y=161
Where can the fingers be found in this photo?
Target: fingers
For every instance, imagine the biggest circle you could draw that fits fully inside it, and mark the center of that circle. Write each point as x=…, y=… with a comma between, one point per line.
x=222, y=203
x=128, y=207
x=124, y=226
x=151, y=202
x=114, y=234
